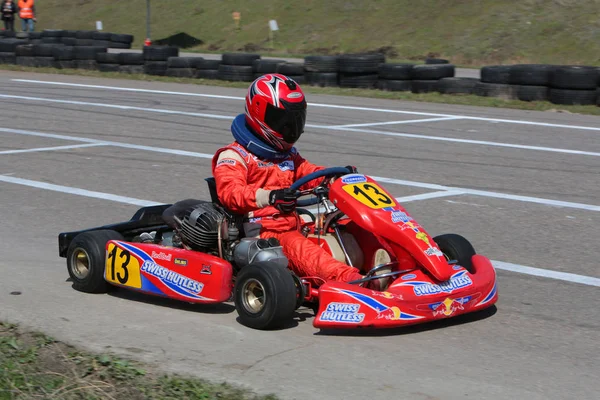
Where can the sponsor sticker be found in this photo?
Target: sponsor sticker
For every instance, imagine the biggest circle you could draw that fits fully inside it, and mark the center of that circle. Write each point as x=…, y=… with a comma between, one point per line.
x=408, y=277
x=226, y=161
x=353, y=178
x=342, y=312
x=294, y=95
x=433, y=251
x=457, y=281
x=180, y=261
x=449, y=306
x=172, y=278
x=287, y=165
x=206, y=269
x=162, y=256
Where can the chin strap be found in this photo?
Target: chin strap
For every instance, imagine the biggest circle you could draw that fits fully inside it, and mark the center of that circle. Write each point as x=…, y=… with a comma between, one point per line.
x=252, y=143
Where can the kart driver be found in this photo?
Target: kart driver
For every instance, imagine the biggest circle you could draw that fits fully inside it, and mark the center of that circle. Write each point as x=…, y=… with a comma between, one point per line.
x=253, y=174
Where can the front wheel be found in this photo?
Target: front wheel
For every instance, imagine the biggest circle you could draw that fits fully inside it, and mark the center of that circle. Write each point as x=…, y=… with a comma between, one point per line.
x=456, y=247
x=265, y=295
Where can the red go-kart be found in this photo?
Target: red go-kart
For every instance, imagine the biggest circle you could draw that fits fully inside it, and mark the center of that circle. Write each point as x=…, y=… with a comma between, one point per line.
x=199, y=252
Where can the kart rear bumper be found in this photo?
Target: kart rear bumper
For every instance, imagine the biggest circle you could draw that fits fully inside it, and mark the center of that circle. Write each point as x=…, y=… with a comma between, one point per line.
x=413, y=298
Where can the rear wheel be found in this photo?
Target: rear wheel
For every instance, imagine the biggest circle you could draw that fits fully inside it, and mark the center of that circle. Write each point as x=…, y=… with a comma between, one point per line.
x=86, y=260
x=265, y=295
x=456, y=247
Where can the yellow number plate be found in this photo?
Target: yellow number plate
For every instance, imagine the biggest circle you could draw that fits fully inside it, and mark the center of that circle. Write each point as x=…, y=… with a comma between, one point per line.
x=122, y=268
x=370, y=194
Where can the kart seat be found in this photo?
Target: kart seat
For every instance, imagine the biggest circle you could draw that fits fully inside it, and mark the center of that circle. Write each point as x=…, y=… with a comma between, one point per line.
x=212, y=188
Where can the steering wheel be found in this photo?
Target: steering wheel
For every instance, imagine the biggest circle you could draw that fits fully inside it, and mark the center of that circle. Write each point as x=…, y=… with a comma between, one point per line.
x=327, y=172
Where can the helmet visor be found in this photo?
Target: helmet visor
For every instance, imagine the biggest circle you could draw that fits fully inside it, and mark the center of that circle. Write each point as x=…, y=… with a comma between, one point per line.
x=288, y=121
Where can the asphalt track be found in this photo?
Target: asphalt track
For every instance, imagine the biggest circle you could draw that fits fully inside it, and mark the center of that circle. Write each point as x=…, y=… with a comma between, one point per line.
x=523, y=186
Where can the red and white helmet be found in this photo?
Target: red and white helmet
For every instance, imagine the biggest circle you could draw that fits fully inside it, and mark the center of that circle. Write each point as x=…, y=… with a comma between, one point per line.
x=276, y=110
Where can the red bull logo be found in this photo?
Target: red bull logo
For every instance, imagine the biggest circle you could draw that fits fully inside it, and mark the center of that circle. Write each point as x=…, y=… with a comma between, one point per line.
x=449, y=306
x=392, y=314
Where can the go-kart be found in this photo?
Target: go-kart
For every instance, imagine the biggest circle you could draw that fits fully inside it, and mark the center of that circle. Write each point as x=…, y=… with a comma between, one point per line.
x=199, y=252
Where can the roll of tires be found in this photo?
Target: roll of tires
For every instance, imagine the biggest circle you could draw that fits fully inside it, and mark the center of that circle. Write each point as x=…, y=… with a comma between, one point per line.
x=90, y=65
x=119, y=45
x=207, y=74
x=25, y=61
x=35, y=35
x=424, y=85
x=321, y=63
x=181, y=72
x=392, y=85
x=262, y=66
x=531, y=93
x=457, y=85
x=121, y=38
x=362, y=81
x=598, y=96
x=44, y=50
x=496, y=74
x=238, y=73
x=572, y=97
x=131, y=59
x=158, y=68
x=84, y=35
x=87, y=52
x=84, y=42
x=160, y=53
x=108, y=67
x=363, y=64
x=436, y=61
x=102, y=36
x=574, y=77
x=25, y=50
x=108, y=58
x=131, y=69
x=209, y=64
x=184, y=62
x=101, y=43
x=69, y=34
x=63, y=53
x=65, y=64
x=499, y=90
x=49, y=33
x=291, y=69
x=396, y=72
x=49, y=40
x=242, y=59
x=9, y=45
x=21, y=35
x=322, y=79
x=44, y=62
x=69, y=41
x=299, y=79
x=38, y=41
x=530, y=74
x=8, y=58
x=432, y=71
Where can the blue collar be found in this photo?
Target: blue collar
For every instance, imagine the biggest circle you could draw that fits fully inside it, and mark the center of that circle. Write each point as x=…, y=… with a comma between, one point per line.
x=252, y=143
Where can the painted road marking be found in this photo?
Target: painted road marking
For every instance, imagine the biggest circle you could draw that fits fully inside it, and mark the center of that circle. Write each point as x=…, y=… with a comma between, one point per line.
x=563, y=276
x=409, y=121
x=401, y=182
x=73, y=146
x=343, y=107
x=225, y=117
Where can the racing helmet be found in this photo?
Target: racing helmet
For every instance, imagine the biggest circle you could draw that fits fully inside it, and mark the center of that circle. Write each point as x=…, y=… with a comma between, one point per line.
x=276, y=110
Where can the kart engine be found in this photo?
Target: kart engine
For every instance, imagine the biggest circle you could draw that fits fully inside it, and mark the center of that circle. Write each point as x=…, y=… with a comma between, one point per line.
x=199, y=227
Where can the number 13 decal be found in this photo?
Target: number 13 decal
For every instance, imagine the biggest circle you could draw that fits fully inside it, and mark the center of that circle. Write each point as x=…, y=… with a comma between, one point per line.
x=122, y=268
x=369, y=194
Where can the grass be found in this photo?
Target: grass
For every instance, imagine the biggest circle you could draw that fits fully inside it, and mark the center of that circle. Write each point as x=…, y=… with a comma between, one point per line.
x=35, y=366
x=467, y=100
x=474, y=33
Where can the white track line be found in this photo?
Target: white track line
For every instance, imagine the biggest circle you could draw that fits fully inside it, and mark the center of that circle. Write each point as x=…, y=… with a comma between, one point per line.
x=384, y=133
x=406, y=121
x=430, y=195
x=73, y=146
x=343, y=107
x=401, y=182
x=582, y=279
x=77, y=191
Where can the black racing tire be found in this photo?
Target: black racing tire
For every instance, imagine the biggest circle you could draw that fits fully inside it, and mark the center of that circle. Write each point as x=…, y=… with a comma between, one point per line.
x=239, y=73
x=300, y=291
x=363, y=64
x=321, y=63
x=265, y=295
x=48, y=40
x=209, y=64
x=496, y=74
x=44, y=50
x=84, y=42
x=436, y=61
x=121, y=38
x=395, y=71
x=131, y=59
x=184, y=62
x=572, y=97
x=85, y=34
x=22, y=35
x=290, y=69
x=322, y=79
x=423, y=86
x=101, y=35
x=241, y=59
x=131, y=69
x=90, y=65
x=25, y=50
x=9, y=45
x=107, y=58
x=69, y=41
x=207, y=74
x=86, y=257
x=87, y=52
x=393, y=85
x=157, y=68
x=69, y=33
x=432, y=71
x=575, y=77
x=103, y=67
x=8, y=58
x=530, y=74
x=101, y=43
x=160, y=53
x=531, y=93
x=262, y=66
x=456, y=247
x=25, y=61
x=299, y=79
x=119, y=45
x=181, y=72
x=457, y=85
x=63, y=53
x=499, y=90
x=50, y=33
x=361, y=81
x=47, y=62
x=35, y=35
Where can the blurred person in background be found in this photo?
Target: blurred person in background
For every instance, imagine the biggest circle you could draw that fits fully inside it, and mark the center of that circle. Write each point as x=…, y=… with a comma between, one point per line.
x=9, y=9
x=27, y=14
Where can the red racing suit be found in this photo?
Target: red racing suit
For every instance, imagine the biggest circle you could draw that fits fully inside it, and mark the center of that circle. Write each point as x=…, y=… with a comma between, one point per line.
x=243, y=185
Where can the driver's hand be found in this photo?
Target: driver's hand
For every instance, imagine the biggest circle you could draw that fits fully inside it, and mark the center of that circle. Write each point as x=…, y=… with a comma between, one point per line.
x=283, y=199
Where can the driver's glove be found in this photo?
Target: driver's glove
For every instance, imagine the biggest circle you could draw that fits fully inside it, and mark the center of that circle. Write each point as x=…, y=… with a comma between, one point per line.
x=283, y=199
x=352, y=169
